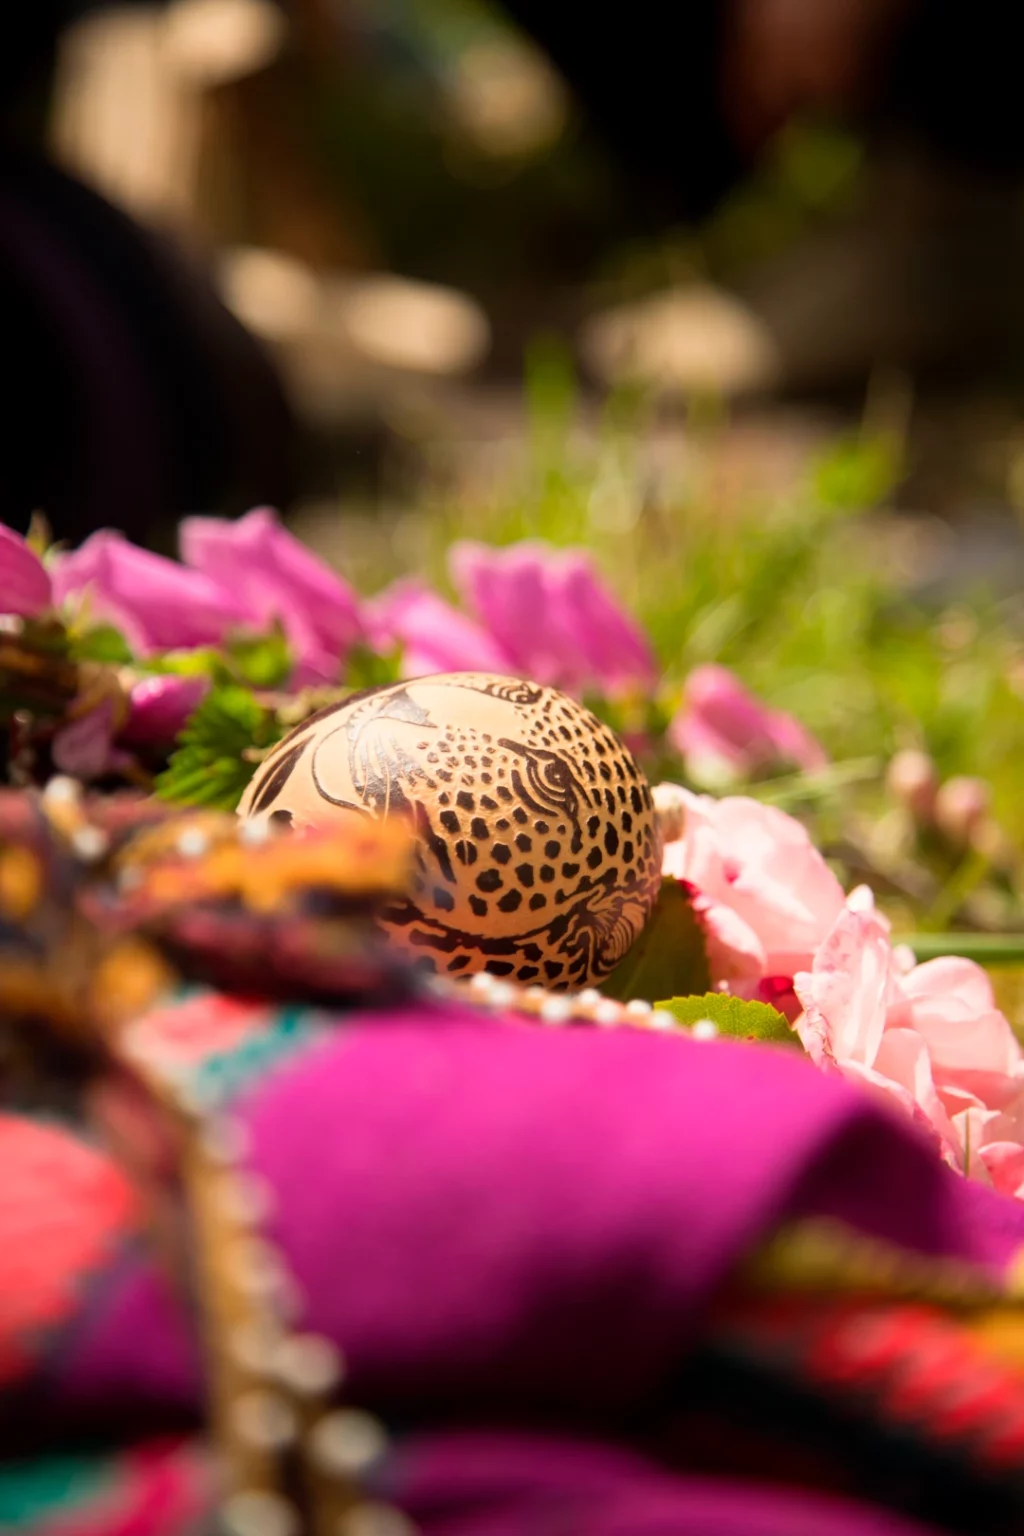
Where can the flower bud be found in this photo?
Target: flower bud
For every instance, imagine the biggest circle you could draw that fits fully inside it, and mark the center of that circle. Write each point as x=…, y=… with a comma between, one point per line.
x=912, y=780
x=961, y=809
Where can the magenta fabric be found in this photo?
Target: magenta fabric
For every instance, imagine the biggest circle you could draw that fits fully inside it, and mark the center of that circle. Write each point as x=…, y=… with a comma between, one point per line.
x=502, y=1224
x=502, y=1484
x=508, y=1217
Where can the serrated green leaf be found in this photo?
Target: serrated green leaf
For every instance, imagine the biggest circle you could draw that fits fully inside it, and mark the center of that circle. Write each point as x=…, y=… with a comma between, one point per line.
x=219, y=785
x=214, y=761
x=733, y=1017
x=668, y=959
x=101, y=643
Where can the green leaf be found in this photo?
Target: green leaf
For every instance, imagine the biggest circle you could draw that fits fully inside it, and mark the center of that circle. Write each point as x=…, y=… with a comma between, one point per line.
x=215, y=759
x=368, y=669
x=101, y=643
x=262, y=661
x=668, y=958
x=204, y=661
x=734, y=1017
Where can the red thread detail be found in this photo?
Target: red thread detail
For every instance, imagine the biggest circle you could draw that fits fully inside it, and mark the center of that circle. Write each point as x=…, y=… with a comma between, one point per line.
x=931, y=1367
x=981, y=1398
x=863, y=1343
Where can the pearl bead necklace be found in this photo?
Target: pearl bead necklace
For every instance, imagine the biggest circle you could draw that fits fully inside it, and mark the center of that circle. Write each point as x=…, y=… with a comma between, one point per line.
x=271, y=1383
x=565, y=1008
x=292, y=1460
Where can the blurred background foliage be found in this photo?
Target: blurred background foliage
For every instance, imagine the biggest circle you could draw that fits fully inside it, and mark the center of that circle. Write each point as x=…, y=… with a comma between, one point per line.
x=786, y=418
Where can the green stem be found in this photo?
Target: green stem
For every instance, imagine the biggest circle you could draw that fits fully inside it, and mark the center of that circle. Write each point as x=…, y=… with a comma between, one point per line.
x=964, y=880
x=797, y=787
x=985, y=948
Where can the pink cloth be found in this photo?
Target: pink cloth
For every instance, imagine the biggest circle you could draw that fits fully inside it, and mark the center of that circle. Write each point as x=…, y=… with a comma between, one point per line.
x=515, y=1225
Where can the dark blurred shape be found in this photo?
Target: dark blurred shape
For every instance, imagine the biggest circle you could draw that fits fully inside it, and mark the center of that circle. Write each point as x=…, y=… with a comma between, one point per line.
x=955, y=79
x=688, y=95
x=647, y=77
x=30, y=35
x=133, y=395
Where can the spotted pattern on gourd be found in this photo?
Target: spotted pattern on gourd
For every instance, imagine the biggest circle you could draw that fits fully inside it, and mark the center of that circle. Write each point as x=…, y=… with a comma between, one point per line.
x=538, y=852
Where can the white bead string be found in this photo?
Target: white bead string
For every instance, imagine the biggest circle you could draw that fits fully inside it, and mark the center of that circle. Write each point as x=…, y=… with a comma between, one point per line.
x=563, y=1008
x=271, y=1385
x=281, y=1379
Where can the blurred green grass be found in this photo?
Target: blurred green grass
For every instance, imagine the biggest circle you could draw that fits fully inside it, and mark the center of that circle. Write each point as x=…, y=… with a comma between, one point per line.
x=814, y=595
x=806, y=596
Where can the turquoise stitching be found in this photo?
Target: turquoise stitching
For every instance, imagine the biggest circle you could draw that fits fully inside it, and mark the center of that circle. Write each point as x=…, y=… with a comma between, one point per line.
x=231, y=1072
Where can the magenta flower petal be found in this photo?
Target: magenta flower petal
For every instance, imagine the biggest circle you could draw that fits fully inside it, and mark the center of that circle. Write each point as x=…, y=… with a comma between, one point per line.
x=507, y=591
x=617, y=653
x=278, y=578
x=156, y=603
x=552, y=616
x=24, y=583
x=434, y=636
x=159, y=709
x=707, y=753
x=794, y=744
x=721, y=724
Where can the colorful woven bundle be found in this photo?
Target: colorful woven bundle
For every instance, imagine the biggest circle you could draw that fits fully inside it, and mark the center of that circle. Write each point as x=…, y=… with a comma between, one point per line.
x=288, y=1234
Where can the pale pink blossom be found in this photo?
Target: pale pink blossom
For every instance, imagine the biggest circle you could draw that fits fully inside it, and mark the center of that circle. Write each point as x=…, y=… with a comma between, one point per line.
x=976, y=1059
x=847, y=996
x=551, y=617
x=722, y=730
x=766, y=896
x=157, y=604
x=1001, y=1161
x=276, y=577
x=25, y=589
x=434, y=636
x=902, y=1073
x=862, y=899
x=847, y=991
x=930, y=1039
x=734, y=953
